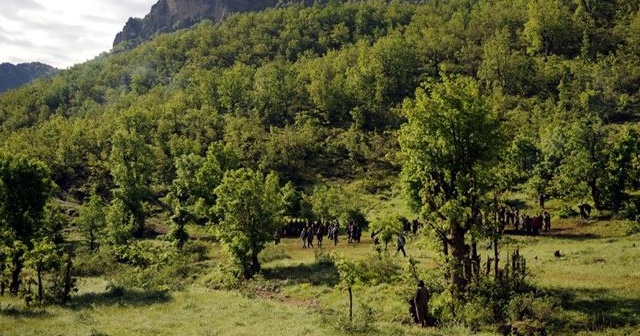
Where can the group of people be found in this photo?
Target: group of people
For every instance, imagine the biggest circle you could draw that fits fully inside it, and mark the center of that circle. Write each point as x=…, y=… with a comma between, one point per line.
x=524, y=223
x=314, y=231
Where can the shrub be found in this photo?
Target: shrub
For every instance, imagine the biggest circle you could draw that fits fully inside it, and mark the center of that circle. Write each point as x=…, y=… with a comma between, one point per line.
x=530, y=315
x=379, y=269
x=566, y=211
x=629, y=211
x=339, y=320
x=197, y=250
x=477, y=313
x=322, y=258
x=93, y=263
x=222, y=277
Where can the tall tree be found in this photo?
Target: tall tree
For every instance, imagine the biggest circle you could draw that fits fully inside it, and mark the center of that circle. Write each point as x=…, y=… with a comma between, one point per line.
x=250, y=206
x=449, y=144
x=131, y=167
x=26, y=187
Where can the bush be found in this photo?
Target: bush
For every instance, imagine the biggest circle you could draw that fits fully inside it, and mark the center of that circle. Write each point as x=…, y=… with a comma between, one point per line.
x=531, y=316
x=566, y=211
x=629, y=211
x=322, y=258
x=477, y=313
x=156, y=266
x=221, y=277
x=339, y=320
x=96, y=263
x=197, y=250
x=379, y=269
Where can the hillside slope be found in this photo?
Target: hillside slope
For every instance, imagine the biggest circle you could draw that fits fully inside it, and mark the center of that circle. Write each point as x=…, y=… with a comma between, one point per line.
x=171, y=15
x=13, y=76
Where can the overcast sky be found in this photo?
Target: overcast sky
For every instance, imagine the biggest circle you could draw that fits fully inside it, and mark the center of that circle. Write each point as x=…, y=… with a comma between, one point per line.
x=62, y=33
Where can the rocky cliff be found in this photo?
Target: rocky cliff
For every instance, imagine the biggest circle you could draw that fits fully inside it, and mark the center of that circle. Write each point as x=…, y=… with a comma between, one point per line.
x=171, y=15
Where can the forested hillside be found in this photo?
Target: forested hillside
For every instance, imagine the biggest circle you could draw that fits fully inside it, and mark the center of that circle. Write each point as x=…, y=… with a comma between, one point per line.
x=300, y=100
x=313, y=92
x=13, y=76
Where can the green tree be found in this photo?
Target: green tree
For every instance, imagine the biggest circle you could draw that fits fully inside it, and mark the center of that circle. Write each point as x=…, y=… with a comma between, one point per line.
x=42, y=258
x=349, y=276
x=250, y=206
x=131, y=166
x=619, y=168
x=449, y=144
x=27, y=188
x=91, y=220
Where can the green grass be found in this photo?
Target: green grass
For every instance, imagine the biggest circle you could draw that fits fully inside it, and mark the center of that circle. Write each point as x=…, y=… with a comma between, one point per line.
x=596, y=279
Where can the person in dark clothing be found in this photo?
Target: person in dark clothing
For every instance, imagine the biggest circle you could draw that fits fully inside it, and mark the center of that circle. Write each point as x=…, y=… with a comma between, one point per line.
x=541, y=198
x=546, y=217
x=585, y=210
x=303, y=237
x=319, y=235
x=400, y=242
x=422, y=302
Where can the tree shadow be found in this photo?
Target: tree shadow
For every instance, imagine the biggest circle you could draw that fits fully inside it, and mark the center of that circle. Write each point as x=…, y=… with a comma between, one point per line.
x=120, y=296
x=605, y=309
x=518, y=204
x=570, y=234
x=28, y=312
x=323, y=273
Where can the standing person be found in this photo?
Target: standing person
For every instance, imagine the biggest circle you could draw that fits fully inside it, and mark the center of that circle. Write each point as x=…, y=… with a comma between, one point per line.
x=400, y=242
x=303, y=237
x=541, y=198
x=310, y=237
x=422, y=302
x=547, y=221
x=276, y=237
x=319, y=235
x=336, y=232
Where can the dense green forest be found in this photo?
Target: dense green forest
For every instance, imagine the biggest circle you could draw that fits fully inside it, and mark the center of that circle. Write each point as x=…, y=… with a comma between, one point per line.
x=314, y=93
x=291, y=103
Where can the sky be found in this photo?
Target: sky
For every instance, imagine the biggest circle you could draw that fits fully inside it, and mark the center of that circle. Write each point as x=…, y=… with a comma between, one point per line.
x=62, y=33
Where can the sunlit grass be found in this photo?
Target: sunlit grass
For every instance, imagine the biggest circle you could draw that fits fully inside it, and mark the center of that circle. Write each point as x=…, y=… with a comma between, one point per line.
x=596, y=279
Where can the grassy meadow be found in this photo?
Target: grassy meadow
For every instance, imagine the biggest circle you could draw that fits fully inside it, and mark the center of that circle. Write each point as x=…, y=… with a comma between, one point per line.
x=595, y=280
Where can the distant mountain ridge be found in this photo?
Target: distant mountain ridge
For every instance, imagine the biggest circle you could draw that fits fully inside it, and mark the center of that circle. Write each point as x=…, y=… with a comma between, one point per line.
x=170, y=15
x=13, y=76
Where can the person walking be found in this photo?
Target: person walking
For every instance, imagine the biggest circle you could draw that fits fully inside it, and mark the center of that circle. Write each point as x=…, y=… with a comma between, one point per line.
x=400, y=242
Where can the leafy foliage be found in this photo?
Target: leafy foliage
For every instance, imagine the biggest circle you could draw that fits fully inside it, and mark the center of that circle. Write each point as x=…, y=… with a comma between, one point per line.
x=250, y=206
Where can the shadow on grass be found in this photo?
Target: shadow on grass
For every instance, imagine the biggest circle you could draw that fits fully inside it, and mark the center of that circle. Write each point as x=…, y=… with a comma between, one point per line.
x=317, y=274
x=604, y=308
x=120, y=296
x=570, y=234
x=23, y=312
x=556, y=234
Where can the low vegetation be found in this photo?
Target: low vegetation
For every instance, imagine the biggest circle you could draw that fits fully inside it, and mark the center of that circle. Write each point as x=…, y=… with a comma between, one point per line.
x=143, y=192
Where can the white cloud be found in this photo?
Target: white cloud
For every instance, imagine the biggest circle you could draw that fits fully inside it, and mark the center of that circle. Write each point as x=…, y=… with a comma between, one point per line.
x=63, y=32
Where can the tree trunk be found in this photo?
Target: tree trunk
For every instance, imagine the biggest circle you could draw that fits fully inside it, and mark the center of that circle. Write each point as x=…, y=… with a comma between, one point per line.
x=68, y=280
x=475, y=258
x=350, y=304
x=595, y=194
x=445, y=251
x=496, y=256
x=458, y=262
x=40, y=289
x=14, y=287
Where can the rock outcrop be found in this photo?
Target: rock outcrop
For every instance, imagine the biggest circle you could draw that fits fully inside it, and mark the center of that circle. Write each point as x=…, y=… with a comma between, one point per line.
x=170, y=15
